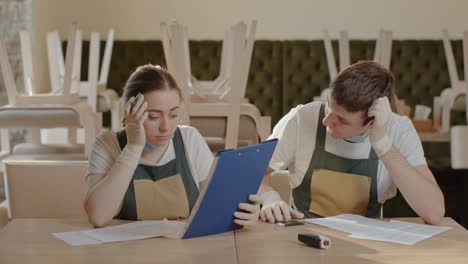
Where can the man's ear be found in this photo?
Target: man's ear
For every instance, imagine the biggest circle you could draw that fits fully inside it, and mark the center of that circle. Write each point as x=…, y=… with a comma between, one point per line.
x=370, y=121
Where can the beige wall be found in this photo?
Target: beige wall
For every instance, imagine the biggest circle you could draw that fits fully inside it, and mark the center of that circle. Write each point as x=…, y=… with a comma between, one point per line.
x=207, y=19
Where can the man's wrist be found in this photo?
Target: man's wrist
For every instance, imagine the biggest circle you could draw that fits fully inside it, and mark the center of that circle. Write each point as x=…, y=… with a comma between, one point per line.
x=382, y=145
x=269, y=197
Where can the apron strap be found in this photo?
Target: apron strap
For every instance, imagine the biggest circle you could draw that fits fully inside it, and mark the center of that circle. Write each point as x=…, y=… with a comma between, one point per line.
x=373, y=208
x=183, y=167
x=321, y=130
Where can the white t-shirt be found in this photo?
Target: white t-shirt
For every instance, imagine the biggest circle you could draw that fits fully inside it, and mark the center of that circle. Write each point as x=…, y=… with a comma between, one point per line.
x=106, y=150
x=296, y=132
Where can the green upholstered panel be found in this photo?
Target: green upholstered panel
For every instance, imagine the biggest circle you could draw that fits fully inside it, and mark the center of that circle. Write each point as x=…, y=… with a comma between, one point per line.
x=305, y=72
x=264, y=87
x=205, y=59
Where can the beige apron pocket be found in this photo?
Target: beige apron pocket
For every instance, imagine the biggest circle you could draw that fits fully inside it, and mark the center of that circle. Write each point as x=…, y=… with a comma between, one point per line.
x=165, y=198
x=336, y=193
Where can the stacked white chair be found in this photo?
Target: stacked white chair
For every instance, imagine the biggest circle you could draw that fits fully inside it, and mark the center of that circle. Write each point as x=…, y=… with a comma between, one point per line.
x=452, y=98
x=382, y=54
x=459, y=134
x=101, y=99
x=49, y=110
x=225, y=96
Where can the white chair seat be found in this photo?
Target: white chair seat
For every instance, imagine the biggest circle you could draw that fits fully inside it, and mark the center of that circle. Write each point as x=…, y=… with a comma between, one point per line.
x=40, y=149
x=34, y=117
x=262, y=124
x=47, y=157
x=213, y=130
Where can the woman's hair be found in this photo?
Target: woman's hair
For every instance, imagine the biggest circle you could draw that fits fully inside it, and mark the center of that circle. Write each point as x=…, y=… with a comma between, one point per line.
x=149, y=78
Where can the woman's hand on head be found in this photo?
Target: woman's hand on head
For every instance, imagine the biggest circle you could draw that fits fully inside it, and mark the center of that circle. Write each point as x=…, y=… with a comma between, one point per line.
x=135, y=115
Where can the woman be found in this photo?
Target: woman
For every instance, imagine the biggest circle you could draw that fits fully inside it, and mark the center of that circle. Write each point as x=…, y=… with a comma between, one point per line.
x=153, y=168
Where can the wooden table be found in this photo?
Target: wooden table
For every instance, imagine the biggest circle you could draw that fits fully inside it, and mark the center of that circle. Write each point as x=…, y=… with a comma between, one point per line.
x=274, y=244
x=30, y=241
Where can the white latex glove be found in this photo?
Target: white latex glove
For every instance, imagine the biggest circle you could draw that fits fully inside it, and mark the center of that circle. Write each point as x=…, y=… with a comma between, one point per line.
x=135, y=115
x=275, y=209
x=381, y=111
x=251, y=212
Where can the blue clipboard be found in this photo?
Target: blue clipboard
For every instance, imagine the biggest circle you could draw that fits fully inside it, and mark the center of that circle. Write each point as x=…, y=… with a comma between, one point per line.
x=234, y=175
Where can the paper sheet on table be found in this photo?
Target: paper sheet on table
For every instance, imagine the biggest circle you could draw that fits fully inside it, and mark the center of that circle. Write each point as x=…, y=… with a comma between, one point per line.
x=125, y=232
x=366, y=228
x=76, y=238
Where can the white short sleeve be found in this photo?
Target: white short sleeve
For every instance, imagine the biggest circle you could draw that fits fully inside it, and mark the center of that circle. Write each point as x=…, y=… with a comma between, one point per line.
x=286, y=133
x=104, y=152
x=199, y=154
x=410, y=144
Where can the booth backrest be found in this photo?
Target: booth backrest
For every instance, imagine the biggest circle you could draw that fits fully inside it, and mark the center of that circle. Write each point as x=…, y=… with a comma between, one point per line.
x=286, y=73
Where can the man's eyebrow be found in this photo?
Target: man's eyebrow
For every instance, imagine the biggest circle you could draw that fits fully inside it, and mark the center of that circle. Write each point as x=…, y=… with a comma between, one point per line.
x=160, y=111
x=342, y=120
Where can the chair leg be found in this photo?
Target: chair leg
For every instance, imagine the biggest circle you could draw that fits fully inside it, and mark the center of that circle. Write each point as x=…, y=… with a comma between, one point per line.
x=35, y=137
x=72, y=135
x=264, y=127
x=5, y=147
x=232, y=128
x=437, y=112
x=115, y=116
x=3, y=214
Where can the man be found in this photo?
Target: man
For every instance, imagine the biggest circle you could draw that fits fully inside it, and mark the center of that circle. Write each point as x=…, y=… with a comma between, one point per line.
x=350, y=154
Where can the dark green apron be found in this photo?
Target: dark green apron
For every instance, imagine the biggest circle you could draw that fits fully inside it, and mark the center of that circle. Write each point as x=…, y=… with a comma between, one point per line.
x=174, y=168
x=322, y=159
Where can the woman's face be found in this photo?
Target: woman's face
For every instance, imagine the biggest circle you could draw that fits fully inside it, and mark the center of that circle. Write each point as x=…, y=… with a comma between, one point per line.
x=163, y=116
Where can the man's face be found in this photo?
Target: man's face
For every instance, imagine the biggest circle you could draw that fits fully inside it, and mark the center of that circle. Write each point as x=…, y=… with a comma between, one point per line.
x=341, y=123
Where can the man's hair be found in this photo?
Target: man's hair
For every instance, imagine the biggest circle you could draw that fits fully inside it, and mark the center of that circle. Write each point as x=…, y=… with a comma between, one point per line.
x=356, y=87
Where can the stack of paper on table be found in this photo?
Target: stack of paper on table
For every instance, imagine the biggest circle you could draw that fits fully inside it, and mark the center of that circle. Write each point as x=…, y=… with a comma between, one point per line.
x=365, y=228
x=125, y=232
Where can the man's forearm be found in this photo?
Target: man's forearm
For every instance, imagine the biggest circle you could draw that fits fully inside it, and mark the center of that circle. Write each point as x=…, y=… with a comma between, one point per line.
x=417, y=185
x=265, y=185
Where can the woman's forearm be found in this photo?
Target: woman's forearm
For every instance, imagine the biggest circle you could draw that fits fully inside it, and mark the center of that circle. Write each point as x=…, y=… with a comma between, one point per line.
x=103, y=201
